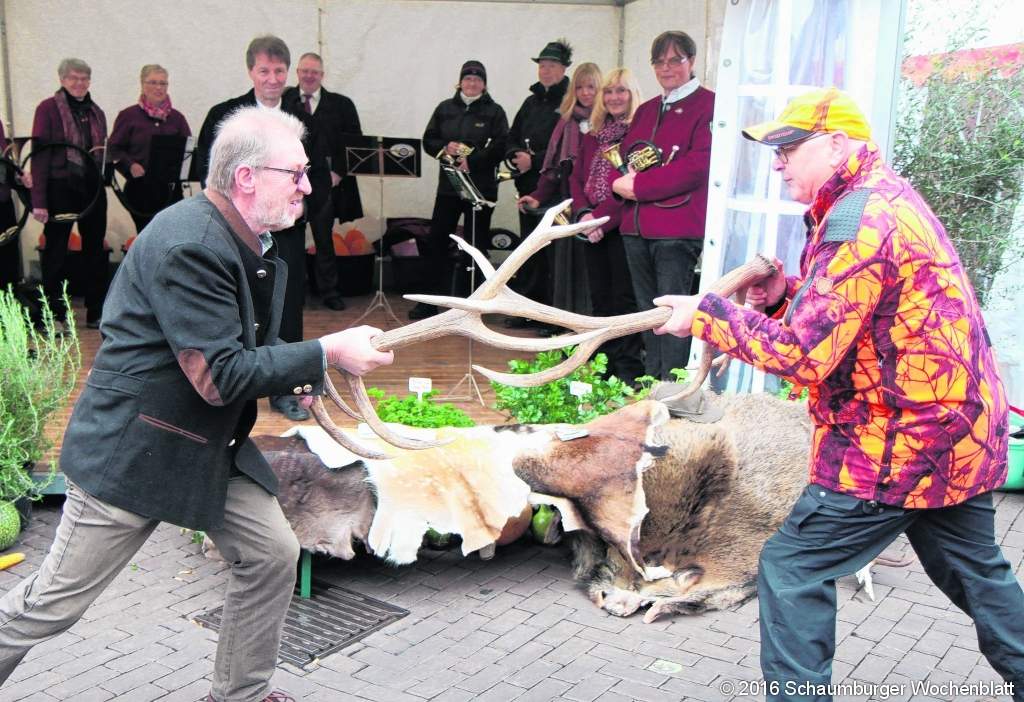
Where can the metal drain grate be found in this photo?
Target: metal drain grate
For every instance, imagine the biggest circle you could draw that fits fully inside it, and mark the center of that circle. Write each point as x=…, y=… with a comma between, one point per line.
x=329, y=620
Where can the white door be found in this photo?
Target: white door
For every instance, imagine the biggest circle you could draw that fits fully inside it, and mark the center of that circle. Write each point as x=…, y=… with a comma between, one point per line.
x=773, y=50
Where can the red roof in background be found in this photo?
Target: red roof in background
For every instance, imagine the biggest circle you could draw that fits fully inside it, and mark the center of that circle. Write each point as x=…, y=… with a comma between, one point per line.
x=1008, y=59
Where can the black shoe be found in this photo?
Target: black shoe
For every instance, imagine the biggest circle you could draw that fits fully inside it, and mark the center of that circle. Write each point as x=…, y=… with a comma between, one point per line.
x=289, y=407
x=519, y=322
x=334, y=303
x=549, y=330
x=422, y=311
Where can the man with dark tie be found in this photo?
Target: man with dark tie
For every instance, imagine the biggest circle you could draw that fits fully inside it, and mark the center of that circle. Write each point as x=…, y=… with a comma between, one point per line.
x=268, y=59
x=334, y=115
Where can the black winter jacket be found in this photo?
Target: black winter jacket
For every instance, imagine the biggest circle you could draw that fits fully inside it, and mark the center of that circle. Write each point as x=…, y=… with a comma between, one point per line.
x=535, y=121
x=483, y=125
x=316, y=146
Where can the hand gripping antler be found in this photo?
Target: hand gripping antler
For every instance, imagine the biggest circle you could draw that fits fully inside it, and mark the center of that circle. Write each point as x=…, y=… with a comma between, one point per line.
x=494, y=296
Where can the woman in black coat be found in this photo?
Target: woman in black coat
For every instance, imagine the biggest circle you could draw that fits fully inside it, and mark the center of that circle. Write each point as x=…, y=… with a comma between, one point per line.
x=468, y=119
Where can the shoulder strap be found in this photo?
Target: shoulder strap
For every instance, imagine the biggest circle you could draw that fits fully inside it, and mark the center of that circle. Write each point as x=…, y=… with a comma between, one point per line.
x=844, y=218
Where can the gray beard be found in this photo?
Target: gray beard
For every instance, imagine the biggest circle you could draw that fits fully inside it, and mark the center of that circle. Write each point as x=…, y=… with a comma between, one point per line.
x=274, y=220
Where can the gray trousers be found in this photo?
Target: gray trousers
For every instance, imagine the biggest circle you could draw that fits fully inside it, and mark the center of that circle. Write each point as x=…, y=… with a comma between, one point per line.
x=95, y=541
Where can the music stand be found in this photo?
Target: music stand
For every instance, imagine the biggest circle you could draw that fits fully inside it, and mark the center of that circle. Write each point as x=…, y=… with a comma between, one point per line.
x=467, y=190
x=383, y=157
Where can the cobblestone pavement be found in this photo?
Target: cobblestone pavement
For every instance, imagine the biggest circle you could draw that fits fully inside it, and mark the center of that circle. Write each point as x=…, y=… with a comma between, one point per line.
x=512, y=628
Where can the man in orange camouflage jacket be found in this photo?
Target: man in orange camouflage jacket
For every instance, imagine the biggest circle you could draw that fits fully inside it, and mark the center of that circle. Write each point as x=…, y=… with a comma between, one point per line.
x=910, y=416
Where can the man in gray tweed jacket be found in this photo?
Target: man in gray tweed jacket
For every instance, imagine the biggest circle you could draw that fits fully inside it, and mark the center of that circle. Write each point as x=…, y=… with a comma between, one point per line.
x=161, y=430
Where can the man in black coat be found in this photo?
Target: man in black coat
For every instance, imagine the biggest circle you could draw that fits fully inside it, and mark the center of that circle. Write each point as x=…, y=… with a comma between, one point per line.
x=268, y=58
x=334, y=115
x=161, y=429
x=527, y=143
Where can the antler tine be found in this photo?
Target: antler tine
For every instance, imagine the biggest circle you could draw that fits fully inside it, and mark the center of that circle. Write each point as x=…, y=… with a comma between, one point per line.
x=482, y=262
x=620, y=325
x=531, y=380
x=544, y=234
x=332, y=392
x=738, y=278
x=471, y=326
x=355, y=384
x=328, y=425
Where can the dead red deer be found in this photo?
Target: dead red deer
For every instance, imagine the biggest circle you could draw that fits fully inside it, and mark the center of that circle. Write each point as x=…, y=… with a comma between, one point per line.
x=666, y=512
x=674, y=523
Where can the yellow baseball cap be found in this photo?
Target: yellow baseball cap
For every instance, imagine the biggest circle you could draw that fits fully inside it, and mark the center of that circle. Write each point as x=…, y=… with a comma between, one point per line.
x=823, y=110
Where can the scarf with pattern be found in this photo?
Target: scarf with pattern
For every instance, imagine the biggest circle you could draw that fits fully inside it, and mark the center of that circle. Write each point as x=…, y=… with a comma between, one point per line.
x=157, y=112
x=568, y=140
x=73, y=133
x=598, y=187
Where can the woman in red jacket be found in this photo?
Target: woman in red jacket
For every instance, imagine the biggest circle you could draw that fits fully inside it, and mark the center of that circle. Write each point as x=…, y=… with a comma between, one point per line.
x=611, y=290
x=130, y=144
x=64, y=182
x=665, y=204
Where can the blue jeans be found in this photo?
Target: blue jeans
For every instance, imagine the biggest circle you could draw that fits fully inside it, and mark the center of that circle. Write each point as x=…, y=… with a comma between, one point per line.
x=662, y=267
x=829, y=534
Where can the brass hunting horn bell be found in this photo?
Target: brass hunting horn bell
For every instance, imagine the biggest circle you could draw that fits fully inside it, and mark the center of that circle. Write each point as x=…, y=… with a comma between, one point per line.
x=613, y=155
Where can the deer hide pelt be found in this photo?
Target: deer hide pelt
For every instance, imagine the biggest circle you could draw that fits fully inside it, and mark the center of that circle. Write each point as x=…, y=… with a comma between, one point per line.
x=602, y=474
x=466, y=487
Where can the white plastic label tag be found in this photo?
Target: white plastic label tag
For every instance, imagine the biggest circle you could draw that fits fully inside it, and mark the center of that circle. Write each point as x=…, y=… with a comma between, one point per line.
x=578, y=389
x=419, y=386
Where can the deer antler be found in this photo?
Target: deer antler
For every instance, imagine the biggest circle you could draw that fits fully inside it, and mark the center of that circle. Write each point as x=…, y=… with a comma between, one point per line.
x=463, y=318
x=735, y=280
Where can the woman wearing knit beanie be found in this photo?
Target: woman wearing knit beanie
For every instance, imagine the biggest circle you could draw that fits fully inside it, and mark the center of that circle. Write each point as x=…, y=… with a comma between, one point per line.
x=468, y=120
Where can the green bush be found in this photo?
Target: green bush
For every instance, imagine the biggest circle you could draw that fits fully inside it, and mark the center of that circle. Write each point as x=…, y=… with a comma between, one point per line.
x=552, y=403
x=40, y=368
x=960, y=142
x=414, y=412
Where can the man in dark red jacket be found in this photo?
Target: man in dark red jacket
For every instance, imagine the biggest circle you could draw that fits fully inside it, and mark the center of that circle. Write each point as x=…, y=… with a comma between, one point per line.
x=665, y=204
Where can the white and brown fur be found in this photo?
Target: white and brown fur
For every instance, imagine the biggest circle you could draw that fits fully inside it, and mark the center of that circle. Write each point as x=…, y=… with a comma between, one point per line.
x=674, y=513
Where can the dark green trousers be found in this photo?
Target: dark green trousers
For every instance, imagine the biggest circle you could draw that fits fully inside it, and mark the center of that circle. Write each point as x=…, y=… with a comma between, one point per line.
x=829, y=534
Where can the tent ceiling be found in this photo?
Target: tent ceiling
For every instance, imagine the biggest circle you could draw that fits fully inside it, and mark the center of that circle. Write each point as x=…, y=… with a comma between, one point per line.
x=609, y=3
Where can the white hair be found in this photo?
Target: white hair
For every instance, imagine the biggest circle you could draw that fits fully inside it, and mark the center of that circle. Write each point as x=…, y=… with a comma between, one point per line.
x=245, y=138
x=73, y=64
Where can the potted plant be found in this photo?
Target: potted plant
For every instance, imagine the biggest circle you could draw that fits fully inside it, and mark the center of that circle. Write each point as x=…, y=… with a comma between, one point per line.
x=40, y=368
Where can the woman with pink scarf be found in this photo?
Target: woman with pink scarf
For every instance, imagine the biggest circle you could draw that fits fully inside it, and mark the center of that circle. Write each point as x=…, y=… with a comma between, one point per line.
x=569, y=281
x=129, y=146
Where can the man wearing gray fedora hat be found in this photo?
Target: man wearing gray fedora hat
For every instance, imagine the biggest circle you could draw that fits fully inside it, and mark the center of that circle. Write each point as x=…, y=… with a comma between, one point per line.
x=527, y=141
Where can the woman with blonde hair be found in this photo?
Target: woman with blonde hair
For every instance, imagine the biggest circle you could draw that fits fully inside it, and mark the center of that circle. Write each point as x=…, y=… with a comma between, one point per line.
x=569, y=290
x=611, y=290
